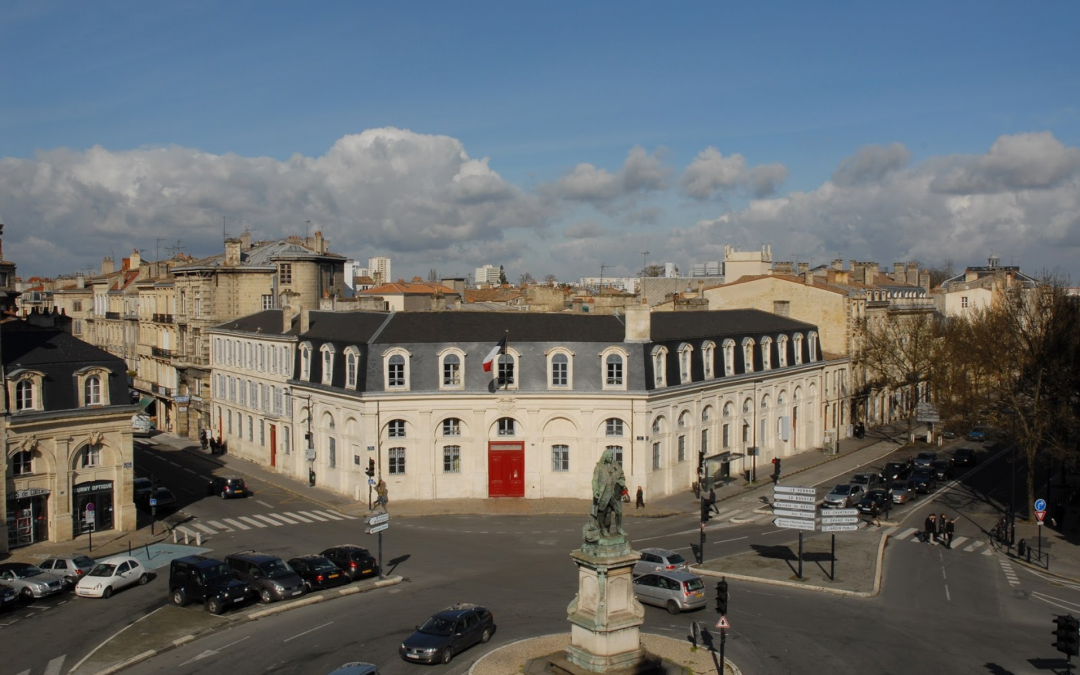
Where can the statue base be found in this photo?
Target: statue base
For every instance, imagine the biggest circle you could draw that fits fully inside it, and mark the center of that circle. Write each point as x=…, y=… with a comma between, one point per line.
x=557, y=664
x=605, y=616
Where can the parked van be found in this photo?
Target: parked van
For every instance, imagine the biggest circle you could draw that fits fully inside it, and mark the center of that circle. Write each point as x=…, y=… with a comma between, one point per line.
x=141, y=425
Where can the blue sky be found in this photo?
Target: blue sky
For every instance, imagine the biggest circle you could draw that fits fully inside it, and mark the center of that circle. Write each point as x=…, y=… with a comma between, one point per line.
x=549, y=138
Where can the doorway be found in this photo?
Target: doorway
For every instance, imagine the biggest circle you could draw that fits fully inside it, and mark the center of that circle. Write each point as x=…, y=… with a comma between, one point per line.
x=273, y=445
x=506, y=469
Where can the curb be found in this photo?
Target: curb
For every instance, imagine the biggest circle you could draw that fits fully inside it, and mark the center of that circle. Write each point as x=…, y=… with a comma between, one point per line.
x=1034, y=568
x=820, y=589
x=242, y=619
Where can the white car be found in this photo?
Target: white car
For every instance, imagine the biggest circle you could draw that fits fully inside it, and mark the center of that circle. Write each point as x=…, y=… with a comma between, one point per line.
x=111, y=575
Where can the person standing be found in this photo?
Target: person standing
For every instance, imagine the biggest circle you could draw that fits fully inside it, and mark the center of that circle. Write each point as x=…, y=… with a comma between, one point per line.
x=640, y=499
x=712, y=500
x=950, y=530
x=941, y=522
x=929, y=529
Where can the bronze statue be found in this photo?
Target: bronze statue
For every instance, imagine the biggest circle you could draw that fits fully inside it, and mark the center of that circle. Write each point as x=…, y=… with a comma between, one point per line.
x=608, y=484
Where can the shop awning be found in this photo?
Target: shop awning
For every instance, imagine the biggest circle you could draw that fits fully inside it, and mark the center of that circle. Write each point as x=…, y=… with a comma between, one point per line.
x=145, y=402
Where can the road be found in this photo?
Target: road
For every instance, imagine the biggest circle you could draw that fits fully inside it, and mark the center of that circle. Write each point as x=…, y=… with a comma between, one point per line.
x=947, y=611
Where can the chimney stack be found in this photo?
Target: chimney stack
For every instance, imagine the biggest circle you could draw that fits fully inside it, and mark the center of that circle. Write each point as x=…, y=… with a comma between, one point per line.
x=232, y=252
x=107, y=266
x=305, y=320
x=638, y=323
x=245, y=240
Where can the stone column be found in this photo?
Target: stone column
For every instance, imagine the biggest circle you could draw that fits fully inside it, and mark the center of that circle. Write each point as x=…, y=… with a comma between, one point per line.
x=605, y=616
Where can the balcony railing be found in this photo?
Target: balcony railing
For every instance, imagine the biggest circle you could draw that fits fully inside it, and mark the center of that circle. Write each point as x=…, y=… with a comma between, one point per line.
x=161, y=352
x=163, y=318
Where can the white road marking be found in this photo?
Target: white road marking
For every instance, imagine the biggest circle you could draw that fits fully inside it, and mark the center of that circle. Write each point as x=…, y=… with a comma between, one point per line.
x=988, y=551
x=251, y=521
x=220, y=526
x=958, y=541
x=309, y=514
x=907, y=533
x=270, y=520
x=312, y=630
x=1048, y=598
x=269, y=506
x=974, y=545
x=236, y=523
x=204, y=528
x=343, y=515
x=191, y=471
x=172, y=462
x=279, y=516
x=330, y=515
x=298, y=517
x=776, y=531
x=727, y=540
x=890, y=530
x=947, y=596
x=55, y=665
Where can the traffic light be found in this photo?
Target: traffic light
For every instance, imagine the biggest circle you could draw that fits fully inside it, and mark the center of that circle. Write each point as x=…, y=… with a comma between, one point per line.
x=1067, y=634
x=776, y=466
x=721, y=596
x=370, y=471
x=705, y=511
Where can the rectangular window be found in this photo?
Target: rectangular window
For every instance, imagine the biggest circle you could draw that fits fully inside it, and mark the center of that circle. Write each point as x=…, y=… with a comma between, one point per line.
x=559, y=375
x=727, y=435
x=560, y=458
x=451, y=371
x=262, y=433
x=21, y=464
x=614, y=370
x=506, y=426
x=451, y=427
x=76, y=306
x=506, y=369
x=287, y=443
x=397, y=373
x=745, y=433
x=228, y=426
x=682, y=452
x=285, y=273
x=781, y=307
x=704, y=441
x=964, y=301
x=616, y=452
x=91, y=456
x=614, y=427
x=655, y=456
x=331, y=447
x=396, y=459
x=396, y=429
x=251, y=429
x=451, y=459
x=267, y=302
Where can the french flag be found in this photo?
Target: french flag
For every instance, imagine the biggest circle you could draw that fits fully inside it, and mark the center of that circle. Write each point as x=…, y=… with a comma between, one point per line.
x=496, y=350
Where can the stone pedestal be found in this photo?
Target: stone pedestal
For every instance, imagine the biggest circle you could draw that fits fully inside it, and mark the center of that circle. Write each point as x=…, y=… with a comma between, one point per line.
x=605, y=616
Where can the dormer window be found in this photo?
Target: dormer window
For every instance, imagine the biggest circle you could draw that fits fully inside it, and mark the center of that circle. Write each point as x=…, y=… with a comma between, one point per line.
x=613, y=362
x=685, y=352
x=766, y=353
x=798, y=340
x=659, y=366
x=305, y=361
x=396, y=369
x=729, y=357
x=327, y=363
x=92, y=390
x=781, y=350
x=748, y=355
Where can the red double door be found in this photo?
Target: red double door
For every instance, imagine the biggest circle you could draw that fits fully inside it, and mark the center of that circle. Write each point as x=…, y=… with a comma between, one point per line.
x=506, y=469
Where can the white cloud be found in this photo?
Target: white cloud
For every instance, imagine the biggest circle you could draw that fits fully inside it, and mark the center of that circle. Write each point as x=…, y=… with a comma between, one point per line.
x=587, y=229
x=1020, y=162
x=711, y=173
x=871, y=164
x=640, y=174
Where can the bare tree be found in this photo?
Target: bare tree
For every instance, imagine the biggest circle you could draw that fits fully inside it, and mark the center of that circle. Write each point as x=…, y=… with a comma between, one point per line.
x=550, y=279
x=653, y=271
x=941, y=273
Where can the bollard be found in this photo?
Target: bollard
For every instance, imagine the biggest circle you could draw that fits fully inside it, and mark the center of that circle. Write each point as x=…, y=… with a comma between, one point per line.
x=186, y=533
x=174, y=536
x=147, y=551
x=198, y=538
x=129, y=549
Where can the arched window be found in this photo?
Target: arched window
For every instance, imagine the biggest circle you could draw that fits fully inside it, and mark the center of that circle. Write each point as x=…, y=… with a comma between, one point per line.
x=614, y=370
x=24, y=395
x=729, y=357
x=797, y=341
x=813, y=347
x=766, y=353
x=729, y=409
x=327, y=363
x=451, y=426
x=507, y=366
x=352, y=361
x=684, y=420
x=706, y=413
x=560, y=370
x=659, y=366
x=451, y=370
x=747, y=406
x=781, y=350
x=395, y=372
x=305, y=361
x=93, y=390
x=708, y=358
x=748, y=355
x=613, y=427
x=685, y=353
x=395, y=429
x=507, y=426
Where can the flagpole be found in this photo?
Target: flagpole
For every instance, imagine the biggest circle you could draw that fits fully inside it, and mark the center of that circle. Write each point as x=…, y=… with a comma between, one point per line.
x=505, y=349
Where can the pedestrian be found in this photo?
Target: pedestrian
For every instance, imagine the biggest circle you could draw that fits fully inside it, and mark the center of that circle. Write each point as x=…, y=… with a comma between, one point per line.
x=202, y=439
x=213, y=445
x=950, y=530
x=874, y=515
x=381, y=490
x=697, y=489
x=929, y=529
x=640, y=498
x=712, y=500
x=941, y=522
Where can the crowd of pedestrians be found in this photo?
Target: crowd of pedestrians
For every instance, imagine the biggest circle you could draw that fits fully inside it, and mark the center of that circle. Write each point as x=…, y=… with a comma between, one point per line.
x=939, y=529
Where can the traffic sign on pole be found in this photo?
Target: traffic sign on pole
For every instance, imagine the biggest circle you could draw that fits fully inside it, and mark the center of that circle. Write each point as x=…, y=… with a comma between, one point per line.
x=794, y=514
x=839, y=512
x=839, y=528
x=1040, y=504
x=378, y=519
x=377, y=528
x=794, y=490
x=1040, y=515
x=723, y=623
x=806, y=499
x=843, y=520
x=794, y=524
x=798, y=506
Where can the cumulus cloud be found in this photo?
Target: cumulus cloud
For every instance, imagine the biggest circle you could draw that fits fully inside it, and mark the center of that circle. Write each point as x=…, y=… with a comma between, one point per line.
x=641, y=173
x=381, y=190
x=711, y=172
x=871, y=164
x=1020, y=162
x=588, y=229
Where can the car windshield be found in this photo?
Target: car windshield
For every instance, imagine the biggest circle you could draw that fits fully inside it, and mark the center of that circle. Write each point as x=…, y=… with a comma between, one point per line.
x=275, y=569
x=83, y=561
x=899, y=486
x=675, y=559
x=235, y=482
x=28, y=571
x=215, y=572
x=925, y=455
x=438, y=625
x=102, y=570
x=322, y=565
x=841, y=489
x=861, y=479
x=694, y=585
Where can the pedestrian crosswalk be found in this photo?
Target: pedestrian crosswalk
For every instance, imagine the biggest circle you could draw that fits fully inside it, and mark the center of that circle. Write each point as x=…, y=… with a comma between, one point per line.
x=53, y=668
x=260, y=520
x=1010, y=574
x=906, y=535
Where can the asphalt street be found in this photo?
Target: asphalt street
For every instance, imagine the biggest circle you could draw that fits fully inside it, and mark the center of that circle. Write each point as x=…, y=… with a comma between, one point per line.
x=947, y=611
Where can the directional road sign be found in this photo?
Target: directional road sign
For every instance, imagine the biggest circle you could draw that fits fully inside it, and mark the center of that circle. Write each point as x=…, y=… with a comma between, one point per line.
x=1040, y=504
x=839, y=512
x=377, y=528
x=378, y=519
x=796, y=498
x=794, y=524
x=843, y=520
x=794, y=490
x=839, y=528
x=798, y=506
x=784, y=513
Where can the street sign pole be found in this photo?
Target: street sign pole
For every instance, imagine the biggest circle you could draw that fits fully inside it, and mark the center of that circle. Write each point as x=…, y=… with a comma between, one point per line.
x=381, y=574
x=832, y=560
x=800, y=555
x=723, y=643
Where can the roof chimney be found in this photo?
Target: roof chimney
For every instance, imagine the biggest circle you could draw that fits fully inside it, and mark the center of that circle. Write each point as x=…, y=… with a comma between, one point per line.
x=638, y=324
x=232, y=252
x=107, y=266
x=808, y=278
x=305, y=320
x=245, y=240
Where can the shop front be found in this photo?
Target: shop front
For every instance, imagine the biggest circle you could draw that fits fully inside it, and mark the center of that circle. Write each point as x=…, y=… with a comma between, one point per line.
x=27, y=517
x=99, y=493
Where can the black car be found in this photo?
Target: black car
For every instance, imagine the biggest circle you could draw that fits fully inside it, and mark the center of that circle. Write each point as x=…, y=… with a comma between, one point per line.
x=923, y=480
x=964, y=457
x=942, y=468
x=196, y=578
x=164, y=500
x=873, y=502
x=449, y=632
x=895, y=471
x=8, y=597
x=355, y=561
x=269, y=577
x=227, y=486
x=318, y=572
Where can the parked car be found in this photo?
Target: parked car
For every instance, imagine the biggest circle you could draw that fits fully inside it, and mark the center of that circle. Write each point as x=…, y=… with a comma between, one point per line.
x=269, y=577
x=977, y=434
x=141, y=425
x=843, y=496
x=964, y=457
x=318, y=572
x=356, y=668
x=676, y=591
x=9, y=597
x=924, y=459
x=447, y=633
x=196, y=578
x=166, y=500
x=659, y=559
x=948, y=434
x=942, y=469
x=902, y=491
x=227, y=486
x=30, y=581
x=923, y=480
x=111, y=575
x=867, y=481
x=355, y=561
x=894, y=471
x=141, y=488
x=72, y=568
x=873, y=502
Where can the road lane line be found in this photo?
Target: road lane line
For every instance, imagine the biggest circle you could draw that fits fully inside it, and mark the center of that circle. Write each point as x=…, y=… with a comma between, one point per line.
x=251, y=521
x=330, y=515
x=220, y=526
x=776, y=531
x=344, y=515
x=278, y=516
x=1050, y=602
x=205, y=528
x=312, y=630
x=974, y=545
x=1062, y=600
x=191, y=471
x=172, y=462
x=309, y=514
x=735, y=539
x=988, y=551
x=298, y=517
x=236, y=523
x=269, y=506
x=55, y=665
x=111, y=638
x=947, y=596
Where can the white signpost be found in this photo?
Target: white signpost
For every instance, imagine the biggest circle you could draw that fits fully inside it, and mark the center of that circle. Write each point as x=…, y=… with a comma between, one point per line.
x=798, y=506
x=839, y=528
x=805, y=499
x=839, y=512
x=792, y=490
x=377, y=528
x=843, y=520
x=793, y=514
x=790, y=524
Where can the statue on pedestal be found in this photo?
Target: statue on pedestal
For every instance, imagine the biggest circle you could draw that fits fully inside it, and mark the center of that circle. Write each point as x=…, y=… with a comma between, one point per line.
x=605, y=516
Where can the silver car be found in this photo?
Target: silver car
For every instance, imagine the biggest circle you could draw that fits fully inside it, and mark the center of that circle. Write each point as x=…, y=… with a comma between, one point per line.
x=30, y=580
x=675, y=591
x=843, y=496
x=868, y=481
x=72, y=568
x=659, y=560
x=902, y=491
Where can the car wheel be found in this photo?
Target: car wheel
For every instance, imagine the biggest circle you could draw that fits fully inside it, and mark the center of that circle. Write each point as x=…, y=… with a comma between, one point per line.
x=215, y=606
x=179, y=598
x=144, y=579
x=486, y=635
x=307, y=587
x=223, y=495
x=265, y=597
x=107, y=592
x=27, y=594
x=672, y=607
x=447, y=654
x=71, y=581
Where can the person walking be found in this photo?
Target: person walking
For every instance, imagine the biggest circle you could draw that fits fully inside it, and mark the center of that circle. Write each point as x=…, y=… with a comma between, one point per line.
x=640, y=504
x=950, y=530
x=929, y=529
x=941, y=522
x=712, y=500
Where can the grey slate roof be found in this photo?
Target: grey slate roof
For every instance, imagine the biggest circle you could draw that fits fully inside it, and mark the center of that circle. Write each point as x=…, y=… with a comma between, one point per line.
x=668, y=326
